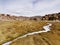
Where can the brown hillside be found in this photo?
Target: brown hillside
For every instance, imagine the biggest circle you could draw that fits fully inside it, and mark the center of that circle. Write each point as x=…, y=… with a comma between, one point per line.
x=7, y=17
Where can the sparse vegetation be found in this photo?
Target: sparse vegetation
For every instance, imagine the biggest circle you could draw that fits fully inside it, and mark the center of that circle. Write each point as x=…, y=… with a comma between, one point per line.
x=48, y=38
x=12, y=29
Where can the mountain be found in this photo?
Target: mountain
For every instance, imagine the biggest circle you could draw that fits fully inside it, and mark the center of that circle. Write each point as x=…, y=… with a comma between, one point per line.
x=7, y=17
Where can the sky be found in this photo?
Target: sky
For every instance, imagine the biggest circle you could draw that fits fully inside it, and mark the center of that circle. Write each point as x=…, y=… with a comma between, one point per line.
x=29, y=7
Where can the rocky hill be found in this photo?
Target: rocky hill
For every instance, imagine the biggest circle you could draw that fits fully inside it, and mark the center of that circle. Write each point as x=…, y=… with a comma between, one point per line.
x=7, y=17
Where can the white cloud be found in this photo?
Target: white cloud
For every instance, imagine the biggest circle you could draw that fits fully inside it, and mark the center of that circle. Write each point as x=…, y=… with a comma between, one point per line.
x=30, y=7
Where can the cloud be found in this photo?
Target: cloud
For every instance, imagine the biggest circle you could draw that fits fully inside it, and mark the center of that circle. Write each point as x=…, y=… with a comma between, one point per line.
x=29, y=7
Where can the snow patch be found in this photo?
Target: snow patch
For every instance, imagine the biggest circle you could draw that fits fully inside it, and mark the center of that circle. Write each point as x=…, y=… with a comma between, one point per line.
x=46, y=29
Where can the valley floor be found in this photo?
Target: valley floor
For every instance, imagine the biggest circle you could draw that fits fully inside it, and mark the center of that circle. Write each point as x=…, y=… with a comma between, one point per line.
x=49, y=38
x=10, y=30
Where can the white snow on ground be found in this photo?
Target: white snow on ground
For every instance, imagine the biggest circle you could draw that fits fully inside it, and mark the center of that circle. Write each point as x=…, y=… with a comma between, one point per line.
x=46, y=29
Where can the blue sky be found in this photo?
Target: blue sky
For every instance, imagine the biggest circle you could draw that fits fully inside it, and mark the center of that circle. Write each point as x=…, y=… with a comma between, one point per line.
x=29, y=7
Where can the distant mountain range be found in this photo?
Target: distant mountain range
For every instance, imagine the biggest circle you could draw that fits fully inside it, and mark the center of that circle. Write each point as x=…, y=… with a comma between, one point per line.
x=8, y=17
